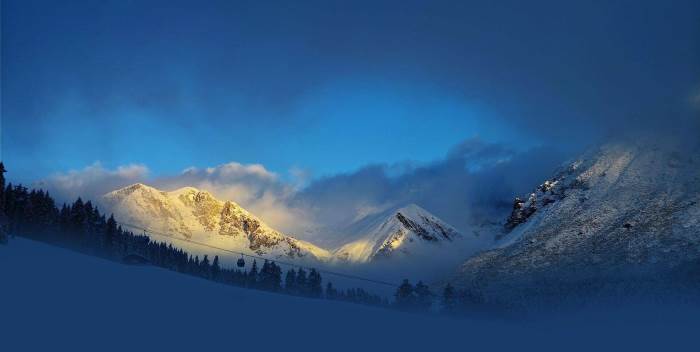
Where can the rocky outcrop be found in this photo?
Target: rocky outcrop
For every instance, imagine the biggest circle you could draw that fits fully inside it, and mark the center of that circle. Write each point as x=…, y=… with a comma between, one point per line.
x=407, y=230
x=199, y=216
x=619, y=209
x=549, y=192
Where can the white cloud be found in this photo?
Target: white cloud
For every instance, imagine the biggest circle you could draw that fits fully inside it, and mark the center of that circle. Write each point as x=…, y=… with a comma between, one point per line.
x=252, y=186
x=92, y=181
x=452, y=188
x=232, y=181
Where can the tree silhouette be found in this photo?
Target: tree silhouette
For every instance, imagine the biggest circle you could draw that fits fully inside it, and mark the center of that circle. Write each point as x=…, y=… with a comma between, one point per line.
x=314, y=283
x=81, y=227
x=405, y=296
x=2, y=186
x=215, y=269
x=302, y=282
x=3, y=217
x=449, y=299
x=424, y=298
x=331, y=292
x=290, y=282
x=253, y=275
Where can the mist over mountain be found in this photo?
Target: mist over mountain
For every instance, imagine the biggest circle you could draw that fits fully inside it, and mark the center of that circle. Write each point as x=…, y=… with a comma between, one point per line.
x=623, y=216
x=472, y=184
x=389, y=175
x=399, y=231
x=196, y=221
x=191, y=214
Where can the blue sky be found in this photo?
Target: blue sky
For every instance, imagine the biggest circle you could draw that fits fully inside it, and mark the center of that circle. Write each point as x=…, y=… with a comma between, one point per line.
x=330, y=87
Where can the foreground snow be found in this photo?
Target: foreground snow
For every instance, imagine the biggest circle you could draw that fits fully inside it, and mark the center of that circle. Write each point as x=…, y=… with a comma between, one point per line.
x=54, y=299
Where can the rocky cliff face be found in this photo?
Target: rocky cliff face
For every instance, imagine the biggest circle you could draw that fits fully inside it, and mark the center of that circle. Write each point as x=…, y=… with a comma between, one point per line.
x=619, y=209
x=549, y=192
x=397, y=232
x=197, y=215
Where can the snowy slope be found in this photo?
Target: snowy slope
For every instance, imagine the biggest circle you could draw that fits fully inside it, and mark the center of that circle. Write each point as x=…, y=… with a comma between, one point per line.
x=192, y=214
x=400, y=231
x=620, y=208
x=64, y=301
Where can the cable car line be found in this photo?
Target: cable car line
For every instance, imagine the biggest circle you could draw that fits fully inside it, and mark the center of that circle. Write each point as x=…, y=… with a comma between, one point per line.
x=347, y=276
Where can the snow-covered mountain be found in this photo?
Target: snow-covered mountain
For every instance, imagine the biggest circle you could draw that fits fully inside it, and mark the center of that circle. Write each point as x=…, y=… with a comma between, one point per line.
x=399, y=231
x=622, y=208
x=189, y=213
x=195, y=215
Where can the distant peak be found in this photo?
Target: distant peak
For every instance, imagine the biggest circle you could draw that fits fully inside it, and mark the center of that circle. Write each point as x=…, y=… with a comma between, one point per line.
x=197, y=195
x=411, y=210
x=134, y=187
x=187, y=189
x=411, y=206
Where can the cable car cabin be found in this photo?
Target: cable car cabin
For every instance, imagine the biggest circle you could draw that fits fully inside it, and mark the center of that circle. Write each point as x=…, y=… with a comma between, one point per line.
x=240, y=263
x=135, y=259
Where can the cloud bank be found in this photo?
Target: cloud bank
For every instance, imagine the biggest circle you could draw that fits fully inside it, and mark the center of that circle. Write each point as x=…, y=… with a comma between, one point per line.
x=474, y=182
x=92, y=181
x=252, y=186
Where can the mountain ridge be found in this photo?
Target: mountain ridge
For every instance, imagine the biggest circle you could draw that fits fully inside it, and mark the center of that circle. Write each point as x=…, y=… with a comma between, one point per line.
x=399, y=229
x=618, y=209
x=196, y=215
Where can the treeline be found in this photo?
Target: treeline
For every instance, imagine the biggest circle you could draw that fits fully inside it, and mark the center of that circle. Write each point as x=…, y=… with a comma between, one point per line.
x=80, y=226
x=419, y=298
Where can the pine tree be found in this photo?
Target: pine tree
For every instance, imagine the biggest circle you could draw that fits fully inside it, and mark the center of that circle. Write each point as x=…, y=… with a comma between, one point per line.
x=110, y=233
x=449, y=299
x=3, y=218
x=290, y=282
x=2, y=186
x=10, y=202
x=81, y=226
x=205, y=268
x=275, y=277
x=195, y=267
x=331, y=292
x=64, y=219
x=424, y=298
x=264, y=275
x=3, y=229
x=252, y=279
x=215, y=268
x=302, y=282
x=77, y=221
x=470, y=299
x=89, y=217
x=405, y=297
x=314, y=283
